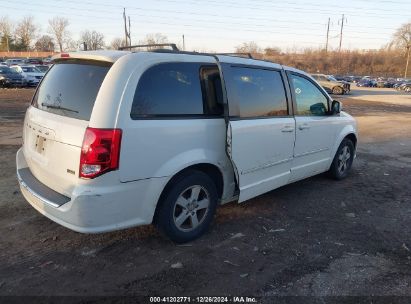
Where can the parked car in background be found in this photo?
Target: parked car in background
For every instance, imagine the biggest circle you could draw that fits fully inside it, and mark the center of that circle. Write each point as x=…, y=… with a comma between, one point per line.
x=10, y=78
x=30, y=73
x=33, y=61
x=47, y=61
x=14, y=61
x=355, y=79
x=346, y=84
x=403, y=85
x=366, y=82
x=43, y=68
x=331, y=86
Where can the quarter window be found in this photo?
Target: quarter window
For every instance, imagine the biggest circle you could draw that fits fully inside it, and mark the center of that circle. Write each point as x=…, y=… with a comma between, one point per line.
x=177, y=89
x=310, y=100
x=257, y=92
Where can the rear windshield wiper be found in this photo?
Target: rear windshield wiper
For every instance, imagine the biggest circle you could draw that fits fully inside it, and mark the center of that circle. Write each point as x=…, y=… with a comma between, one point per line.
x=51, y=106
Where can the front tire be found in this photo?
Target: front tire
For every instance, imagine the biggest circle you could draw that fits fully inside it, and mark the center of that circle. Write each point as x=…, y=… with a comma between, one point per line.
x=343, y=160
x=187, y=208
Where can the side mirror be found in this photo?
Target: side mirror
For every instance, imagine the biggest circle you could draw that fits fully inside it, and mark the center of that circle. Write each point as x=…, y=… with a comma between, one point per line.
x=336, y=107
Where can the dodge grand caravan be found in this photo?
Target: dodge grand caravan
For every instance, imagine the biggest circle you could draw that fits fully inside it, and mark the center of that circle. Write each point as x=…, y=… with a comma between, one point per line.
x=115, y=139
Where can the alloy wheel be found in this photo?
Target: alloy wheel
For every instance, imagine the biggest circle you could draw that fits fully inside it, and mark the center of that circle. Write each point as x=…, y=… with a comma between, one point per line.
x=344, y=159
x=191, y=208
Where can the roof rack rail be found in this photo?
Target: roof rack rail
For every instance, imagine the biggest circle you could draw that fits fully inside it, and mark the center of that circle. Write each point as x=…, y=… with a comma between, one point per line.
x=237, y=54
x=172, y=45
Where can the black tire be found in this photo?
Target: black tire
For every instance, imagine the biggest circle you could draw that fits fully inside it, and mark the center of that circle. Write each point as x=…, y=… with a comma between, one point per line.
x=338, y=91
x=169, y=211
x=338, y=170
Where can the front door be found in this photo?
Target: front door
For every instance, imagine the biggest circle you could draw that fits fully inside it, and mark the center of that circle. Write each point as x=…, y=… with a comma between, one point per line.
x=261, y=131
x=315, y=132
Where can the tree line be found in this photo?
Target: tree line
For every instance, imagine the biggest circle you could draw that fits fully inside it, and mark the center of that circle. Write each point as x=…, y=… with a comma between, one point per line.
x=391, y=60
x=26, y=35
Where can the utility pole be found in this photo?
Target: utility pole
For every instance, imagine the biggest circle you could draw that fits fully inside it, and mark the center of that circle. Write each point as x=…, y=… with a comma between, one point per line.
x=125, y=25
x=328, y=32
x=184, y=44
x=129, y=31
x=341, y=33
x=408, y=60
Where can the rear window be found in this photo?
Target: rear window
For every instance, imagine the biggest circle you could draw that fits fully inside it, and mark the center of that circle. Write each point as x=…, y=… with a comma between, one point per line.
x=70, y=89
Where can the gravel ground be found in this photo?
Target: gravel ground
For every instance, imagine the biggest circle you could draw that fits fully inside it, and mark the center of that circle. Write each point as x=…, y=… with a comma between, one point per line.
x=316, y=237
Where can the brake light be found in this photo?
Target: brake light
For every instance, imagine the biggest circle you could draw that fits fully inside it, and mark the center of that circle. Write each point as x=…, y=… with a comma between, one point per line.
x=100, y=152
x=64, y=55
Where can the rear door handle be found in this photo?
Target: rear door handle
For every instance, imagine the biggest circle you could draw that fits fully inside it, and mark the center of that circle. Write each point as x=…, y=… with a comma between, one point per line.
x=303, y=126
x=287, y=129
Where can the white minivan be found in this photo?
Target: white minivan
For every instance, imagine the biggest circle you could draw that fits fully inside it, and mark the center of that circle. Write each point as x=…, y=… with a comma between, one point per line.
x=115, y=139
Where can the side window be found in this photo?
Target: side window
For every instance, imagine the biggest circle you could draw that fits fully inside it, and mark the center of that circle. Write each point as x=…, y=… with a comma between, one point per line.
x=257, y=92
x=177, y=89
x=310, y=100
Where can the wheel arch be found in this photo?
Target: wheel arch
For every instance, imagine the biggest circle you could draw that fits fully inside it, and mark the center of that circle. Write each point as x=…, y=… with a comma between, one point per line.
x=348, y=132
x=212, y=170
x=338, y=86
x=353, y=138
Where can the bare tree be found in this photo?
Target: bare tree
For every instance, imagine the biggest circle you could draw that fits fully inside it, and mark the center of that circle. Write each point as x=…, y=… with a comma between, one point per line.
x=26, y=31
x=116, y=43
x=6, y=30
x=58, y=28
x=402, y=40
x=156, y=38
x=44, y=44
x=93, y=39
x=248, y=47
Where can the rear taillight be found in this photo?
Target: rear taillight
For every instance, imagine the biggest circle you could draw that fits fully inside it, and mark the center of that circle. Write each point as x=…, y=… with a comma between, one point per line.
x=100, y=152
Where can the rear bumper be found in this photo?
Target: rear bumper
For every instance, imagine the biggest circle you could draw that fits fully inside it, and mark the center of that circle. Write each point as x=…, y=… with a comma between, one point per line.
x=93, y=209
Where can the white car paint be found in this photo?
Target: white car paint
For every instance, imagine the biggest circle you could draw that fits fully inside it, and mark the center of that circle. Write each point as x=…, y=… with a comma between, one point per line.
x=262, y=154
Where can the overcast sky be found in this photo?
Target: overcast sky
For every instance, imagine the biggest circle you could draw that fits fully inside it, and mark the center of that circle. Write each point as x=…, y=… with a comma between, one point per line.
x=218, y=25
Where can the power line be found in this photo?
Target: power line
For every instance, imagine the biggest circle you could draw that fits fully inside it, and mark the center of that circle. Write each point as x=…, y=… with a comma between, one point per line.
x=282, y=8
x=193, y=25
x=185, y=12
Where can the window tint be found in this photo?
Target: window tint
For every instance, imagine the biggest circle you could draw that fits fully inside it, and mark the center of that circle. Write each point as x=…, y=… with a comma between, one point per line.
x=310, y=100
x=212, y=90
x=172, y=89
x=70, y=89
x=257, y=92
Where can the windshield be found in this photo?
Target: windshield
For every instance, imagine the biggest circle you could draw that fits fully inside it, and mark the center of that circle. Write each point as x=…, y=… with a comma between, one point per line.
x=70, y=88
x=30, y=70
x=332, y=78
x=6, y=70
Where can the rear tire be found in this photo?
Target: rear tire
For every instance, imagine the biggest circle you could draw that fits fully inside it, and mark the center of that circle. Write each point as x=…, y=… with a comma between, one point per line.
x=187, y=208
x=338, y=91
x=343, y=160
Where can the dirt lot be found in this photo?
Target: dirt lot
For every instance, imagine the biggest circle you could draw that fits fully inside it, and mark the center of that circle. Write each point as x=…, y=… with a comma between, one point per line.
x=317, y=237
